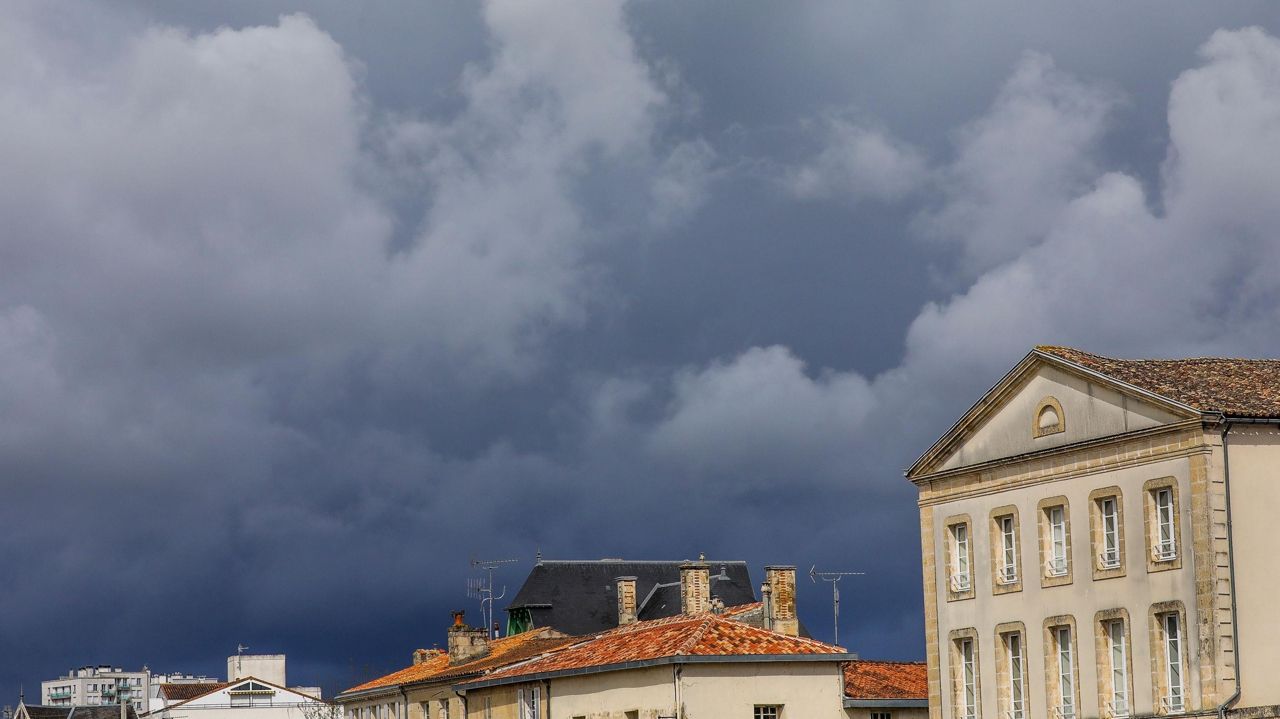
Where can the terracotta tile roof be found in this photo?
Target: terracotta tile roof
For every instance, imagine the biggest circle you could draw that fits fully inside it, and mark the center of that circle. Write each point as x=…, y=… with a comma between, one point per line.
x=1236, y=387
x=502, y=651
x=186, y=692
x=698, y=635
x=865, y=679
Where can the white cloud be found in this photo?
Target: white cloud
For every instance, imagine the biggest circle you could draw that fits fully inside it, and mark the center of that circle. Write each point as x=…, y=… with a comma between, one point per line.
x=762, y=410
x=1019, y=165
x=860, y=163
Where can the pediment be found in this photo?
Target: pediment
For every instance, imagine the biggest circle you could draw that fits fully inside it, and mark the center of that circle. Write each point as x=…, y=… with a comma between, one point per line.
x=1017, y=416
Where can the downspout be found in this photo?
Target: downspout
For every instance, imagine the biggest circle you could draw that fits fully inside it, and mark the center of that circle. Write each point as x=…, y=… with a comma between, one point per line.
x=1231, y=573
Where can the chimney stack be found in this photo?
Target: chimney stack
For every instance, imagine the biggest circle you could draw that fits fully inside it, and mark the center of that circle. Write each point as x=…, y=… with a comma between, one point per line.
x=781, y=606
x=766, y=600
x=695, y=587
x=466, y=643
x=422, y=655
x=626, y=600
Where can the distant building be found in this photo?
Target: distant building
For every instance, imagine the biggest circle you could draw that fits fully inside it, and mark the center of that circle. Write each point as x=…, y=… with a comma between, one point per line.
x=580, y=597
x=256, y=682
x=97, y=686
x=1098, y=541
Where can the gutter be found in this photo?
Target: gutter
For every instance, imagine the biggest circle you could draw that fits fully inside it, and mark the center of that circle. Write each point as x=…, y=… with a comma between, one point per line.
x=660, y=661
x=851, y=703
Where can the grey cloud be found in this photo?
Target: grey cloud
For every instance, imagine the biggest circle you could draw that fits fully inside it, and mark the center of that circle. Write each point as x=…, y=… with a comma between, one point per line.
x=859, y=162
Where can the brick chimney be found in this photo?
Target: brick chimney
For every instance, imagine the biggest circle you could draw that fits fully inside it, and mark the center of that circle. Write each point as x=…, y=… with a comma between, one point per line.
x=781, y=617
x=695, y=587
x=626, y=600
x=466, y=643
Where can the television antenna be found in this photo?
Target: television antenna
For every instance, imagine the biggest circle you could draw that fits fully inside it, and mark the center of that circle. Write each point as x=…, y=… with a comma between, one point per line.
x=482, y=588
x=834, y=579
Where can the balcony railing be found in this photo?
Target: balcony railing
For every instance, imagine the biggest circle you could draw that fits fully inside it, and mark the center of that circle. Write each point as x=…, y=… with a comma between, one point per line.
x=1109, y=559
x=1172, y=704
x=960, y=582
x=1118, y=709
x=1008, y=574
x=1056, y=567
x=1064, y=711
x=1164, y=552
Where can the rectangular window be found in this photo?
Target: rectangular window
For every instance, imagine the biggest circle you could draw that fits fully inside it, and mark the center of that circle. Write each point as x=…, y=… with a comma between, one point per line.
x=881, y=715
x=1017, y=676
x=1119, y=668
x=1009, y=550
x=444, y=709
x=1056, y=564
x=960, y=558
x=1109, y=558
x=1066, y=674
x=488, y=708
x=1166, y=548
x=770, y=711
x=1174, y=700
x=969, y=681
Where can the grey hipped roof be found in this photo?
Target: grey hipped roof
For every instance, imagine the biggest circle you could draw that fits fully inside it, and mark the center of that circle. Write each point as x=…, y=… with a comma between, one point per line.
x=580, y=597
x=104, y=711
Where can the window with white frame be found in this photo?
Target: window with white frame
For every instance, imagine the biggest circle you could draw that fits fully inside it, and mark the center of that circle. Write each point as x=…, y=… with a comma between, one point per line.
x=960, y=578
x=1119, y=652
x=767, y=711
x=1014, y=657
x=1065, y=701
x=1174, y=699
x=1109, y=517
x=967, y=705
x=528, y=700
x=1165, y=547
x=444, y=709
x=1008, y=568
x=1056, y=542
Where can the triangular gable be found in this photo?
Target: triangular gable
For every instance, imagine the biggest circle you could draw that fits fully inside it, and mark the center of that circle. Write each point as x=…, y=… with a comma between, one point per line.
x=246, y=688
x=1005, y=422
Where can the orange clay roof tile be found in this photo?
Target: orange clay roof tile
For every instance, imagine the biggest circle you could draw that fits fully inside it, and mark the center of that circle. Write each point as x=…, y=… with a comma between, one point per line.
x=502, y=652
x=1236, y=387
x=886, y=680
x=698, y=635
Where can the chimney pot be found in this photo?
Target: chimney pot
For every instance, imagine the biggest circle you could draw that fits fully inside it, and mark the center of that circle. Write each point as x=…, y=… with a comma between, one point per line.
x=782, y=585
x=626, y=587
x=695, y=587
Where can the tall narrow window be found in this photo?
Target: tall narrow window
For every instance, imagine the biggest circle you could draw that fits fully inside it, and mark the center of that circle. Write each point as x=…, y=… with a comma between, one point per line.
x=1066, y=708
x=488, y=708
x=969, y=681
x=1109, y=558
x=1008, y=550
x=1174, y=699
x=1166, y=543
x=1056, y=564
x=1017, y=676
x=1119, y=668
x=960, y=581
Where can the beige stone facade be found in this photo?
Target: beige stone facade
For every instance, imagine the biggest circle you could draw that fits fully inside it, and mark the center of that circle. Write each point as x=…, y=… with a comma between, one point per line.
x=1119, y=585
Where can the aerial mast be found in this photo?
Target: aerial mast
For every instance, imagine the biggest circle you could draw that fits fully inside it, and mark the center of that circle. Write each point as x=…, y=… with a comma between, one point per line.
x=834, y=579
x=482, y=589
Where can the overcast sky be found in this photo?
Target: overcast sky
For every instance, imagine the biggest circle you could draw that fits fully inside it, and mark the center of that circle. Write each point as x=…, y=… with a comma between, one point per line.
x=304, y=305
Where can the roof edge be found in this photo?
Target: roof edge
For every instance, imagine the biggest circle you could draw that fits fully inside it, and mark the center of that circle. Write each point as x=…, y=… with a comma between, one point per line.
x=853, y=703
x=657, y=662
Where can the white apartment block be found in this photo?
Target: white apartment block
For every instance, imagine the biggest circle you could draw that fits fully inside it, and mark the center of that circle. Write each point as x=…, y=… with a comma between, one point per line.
x=1098, y=539
x=95, y=685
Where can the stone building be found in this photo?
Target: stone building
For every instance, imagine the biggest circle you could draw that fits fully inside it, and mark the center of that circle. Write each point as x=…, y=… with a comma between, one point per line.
x=1097, y=541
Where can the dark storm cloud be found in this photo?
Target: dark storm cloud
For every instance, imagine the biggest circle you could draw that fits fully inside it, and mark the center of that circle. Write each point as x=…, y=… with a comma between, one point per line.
x=299, y=312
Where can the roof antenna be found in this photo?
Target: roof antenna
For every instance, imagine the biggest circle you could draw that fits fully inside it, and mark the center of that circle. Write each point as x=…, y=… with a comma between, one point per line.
x=478, y=588
x=834, y=578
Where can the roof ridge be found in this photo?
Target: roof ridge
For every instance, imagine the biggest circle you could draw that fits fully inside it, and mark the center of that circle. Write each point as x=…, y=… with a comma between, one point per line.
x=1056, y=350
x=695, y=636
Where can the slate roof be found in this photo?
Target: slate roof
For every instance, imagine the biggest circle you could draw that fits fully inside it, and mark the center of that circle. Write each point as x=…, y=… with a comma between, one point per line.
x=104, y=711
x=502, y=652
x=1234, y=387
x=865, y=679
x=579, y=597
x=187, y=692
x=700, y=635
